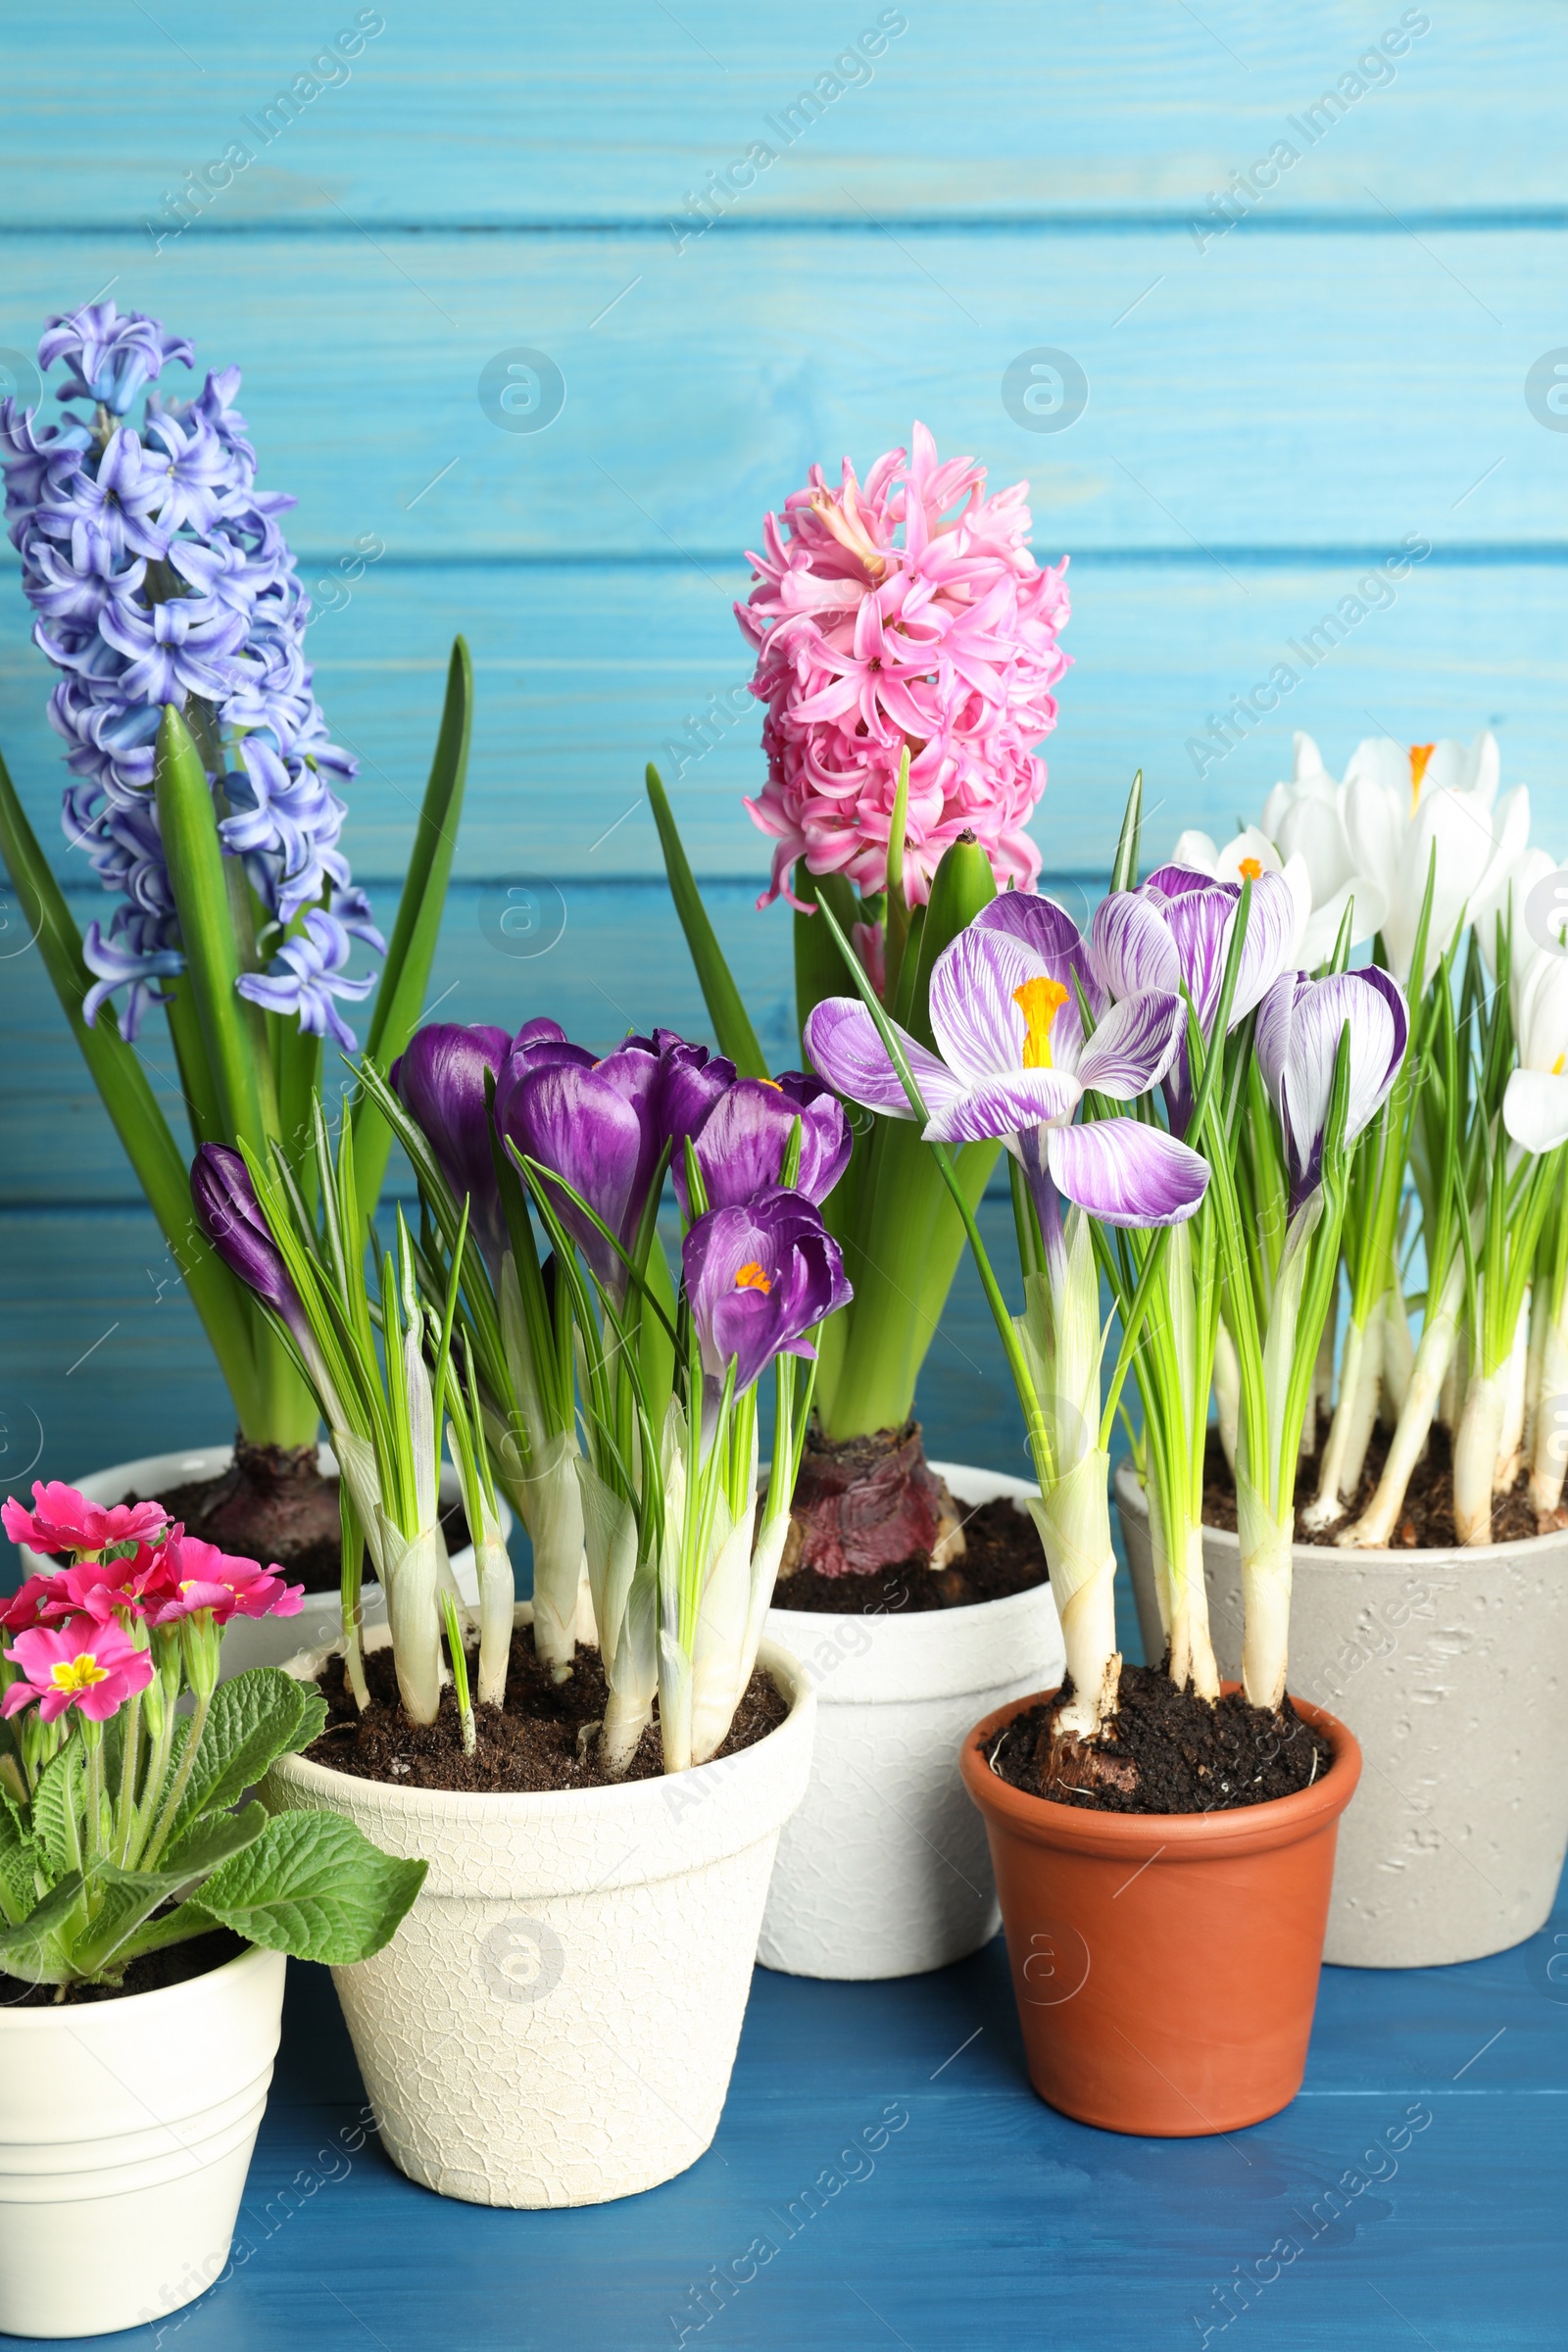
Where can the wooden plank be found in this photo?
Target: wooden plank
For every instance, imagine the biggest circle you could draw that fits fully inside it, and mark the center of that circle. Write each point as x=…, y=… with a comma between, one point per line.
x=982, y=2211
x=1316, y=392
x=585, y=673
x=614, y=113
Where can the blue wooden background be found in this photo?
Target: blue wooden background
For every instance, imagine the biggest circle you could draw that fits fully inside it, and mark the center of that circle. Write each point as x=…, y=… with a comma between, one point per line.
x=1269, y=410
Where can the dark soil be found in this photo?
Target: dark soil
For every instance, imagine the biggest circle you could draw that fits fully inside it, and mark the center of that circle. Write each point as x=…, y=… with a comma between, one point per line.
x=531, y=1743
x=274, y=1505
x=1426, y=1523
x=1004, y=1556
x=176, y=1964
x=1169, y=1751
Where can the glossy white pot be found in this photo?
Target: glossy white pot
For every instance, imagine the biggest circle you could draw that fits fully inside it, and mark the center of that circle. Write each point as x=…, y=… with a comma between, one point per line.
x=884, y=1871
x=556, y=2021
x=1451, y=1669
x=125, y=2133
x=264, y=1641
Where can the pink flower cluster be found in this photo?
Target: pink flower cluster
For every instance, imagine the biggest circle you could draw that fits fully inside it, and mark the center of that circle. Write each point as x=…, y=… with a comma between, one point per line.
x=82, y=1631
x=943, y=640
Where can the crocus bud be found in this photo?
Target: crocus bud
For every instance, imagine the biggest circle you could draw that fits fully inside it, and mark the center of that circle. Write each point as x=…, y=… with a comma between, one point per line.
x=230, y=1216
x=440, y=1081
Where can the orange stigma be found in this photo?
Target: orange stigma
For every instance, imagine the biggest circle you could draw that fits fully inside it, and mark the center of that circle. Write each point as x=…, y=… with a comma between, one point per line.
x=752, y=1278
x=1040, y=1002
x=1251, y=868
x=1420, y=753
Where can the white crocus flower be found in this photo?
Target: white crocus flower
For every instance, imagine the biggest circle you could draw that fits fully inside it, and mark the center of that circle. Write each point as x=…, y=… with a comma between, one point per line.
x=1304, y=818
x=1400, y=804
x=1535, y=1106
x=1244, y=857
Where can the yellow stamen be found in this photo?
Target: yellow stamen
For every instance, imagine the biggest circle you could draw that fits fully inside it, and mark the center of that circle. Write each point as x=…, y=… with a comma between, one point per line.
x=78, y=1674
x=1040, y=1002
x=1420, y=753
x=1252, y=869
x=752, y=1278
x=1556, y=1067
x=773, y=1083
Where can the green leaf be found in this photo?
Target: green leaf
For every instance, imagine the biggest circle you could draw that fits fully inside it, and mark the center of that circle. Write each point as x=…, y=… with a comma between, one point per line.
x=313, y=1886
x=260, y=1715
x=57, y=1810
x=819, y=970
x=411, y=952
x=187, y=822
x=124, y=1898
x=1124, y=871
x=731, y=1023
x=143, y=1131
x=21, y=1862
x=962, y=884
x=39, y=1950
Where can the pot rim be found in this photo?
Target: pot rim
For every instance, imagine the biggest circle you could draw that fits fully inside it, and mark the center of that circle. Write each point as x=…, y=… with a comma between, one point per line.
x=13, y=2021
x=1351, y=1556
x=1184, y=1836
x=467, y=1806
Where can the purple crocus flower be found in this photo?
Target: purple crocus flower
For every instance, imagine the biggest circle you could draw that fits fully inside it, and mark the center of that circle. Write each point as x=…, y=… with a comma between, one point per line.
x=741, y=1144
x=758, y=1278
x=1298, y=1030
x=1014, y=1066
x=439, y=1080
x=230, y=1216
x=593, y=1124
x=1174, y=931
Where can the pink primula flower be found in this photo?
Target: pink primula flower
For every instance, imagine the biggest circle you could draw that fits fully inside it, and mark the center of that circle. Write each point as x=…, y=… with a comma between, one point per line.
x=134, y=1585
x=879, y=625
x=62, y=1520
x=92, y=1667
x=200, y=1577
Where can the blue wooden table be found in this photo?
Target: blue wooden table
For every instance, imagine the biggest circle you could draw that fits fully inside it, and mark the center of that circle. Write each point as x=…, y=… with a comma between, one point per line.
x=884, y=2175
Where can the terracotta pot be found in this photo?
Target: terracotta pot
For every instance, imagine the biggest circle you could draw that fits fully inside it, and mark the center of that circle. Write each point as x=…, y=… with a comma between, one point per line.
x=883, y=1871
x=262, y=1641
x=1165, y=1965
x=1455, y=1845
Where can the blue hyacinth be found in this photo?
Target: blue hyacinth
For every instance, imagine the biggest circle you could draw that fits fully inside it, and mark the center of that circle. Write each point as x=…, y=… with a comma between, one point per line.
x=159, y=575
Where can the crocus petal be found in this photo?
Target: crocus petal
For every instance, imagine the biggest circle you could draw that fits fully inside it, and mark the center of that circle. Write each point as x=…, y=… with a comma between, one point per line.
x=844, y=1045
x=1007, y=1106
x=1126, y=1173
x=573, y=1122
x=978, y=1023
x=1131, y=946
x=1133, y=1046
x=1049, y=930
x=1535, y=1110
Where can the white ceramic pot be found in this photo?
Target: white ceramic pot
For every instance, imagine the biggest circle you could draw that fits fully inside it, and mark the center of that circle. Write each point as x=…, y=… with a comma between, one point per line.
x=1451, y=1669
x=262, y=1641
x=556, y=2020
x=884, y=1871
x=125, y=2133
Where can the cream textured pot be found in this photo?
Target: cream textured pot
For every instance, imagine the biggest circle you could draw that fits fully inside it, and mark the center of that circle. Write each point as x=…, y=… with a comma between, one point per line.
x=262, y=1641
x=884, y=1871
x=556, y=2021
x=1451, y=1669
x=125, y=2133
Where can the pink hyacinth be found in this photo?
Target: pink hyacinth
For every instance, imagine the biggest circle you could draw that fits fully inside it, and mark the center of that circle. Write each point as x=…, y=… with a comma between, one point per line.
x=92, y=1667
x=943, y=638
x=200, y=1577
x=64, y=1520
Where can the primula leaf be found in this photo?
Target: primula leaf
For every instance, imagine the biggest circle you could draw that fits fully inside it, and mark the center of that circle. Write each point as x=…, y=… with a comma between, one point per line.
x=38, y=1951
x=731, y=1023
x=125, y=1897
x=57, y=1810
x=313, y=1886
x=21, y=1861
x=260, y=1715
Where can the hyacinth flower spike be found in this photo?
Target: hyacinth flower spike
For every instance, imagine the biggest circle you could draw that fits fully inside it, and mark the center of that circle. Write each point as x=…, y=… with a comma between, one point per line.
x=1015, y=1058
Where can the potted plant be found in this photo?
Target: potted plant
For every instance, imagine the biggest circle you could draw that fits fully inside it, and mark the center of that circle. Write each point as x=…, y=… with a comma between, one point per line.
x=146, y=1909
x=560, y=2024
x=905, y=648
x=205, y=791
x=1163, y=1846
x=1430, y=1548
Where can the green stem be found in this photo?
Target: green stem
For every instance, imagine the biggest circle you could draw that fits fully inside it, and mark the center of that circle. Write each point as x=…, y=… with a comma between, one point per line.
x=166, y=1820
x=126, y=1818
